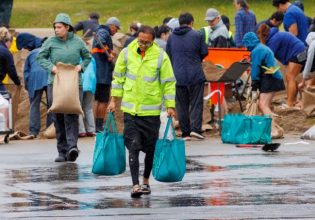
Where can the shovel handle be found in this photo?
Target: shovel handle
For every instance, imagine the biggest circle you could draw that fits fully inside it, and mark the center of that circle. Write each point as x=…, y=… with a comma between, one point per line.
x=250, y=145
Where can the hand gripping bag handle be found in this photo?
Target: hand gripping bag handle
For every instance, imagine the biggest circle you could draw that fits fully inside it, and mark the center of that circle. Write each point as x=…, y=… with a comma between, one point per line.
x=169, y=123
x=110, y=123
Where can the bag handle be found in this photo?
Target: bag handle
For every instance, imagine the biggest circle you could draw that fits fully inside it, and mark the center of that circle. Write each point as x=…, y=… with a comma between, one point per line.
x=110, y=123
x=169, y=123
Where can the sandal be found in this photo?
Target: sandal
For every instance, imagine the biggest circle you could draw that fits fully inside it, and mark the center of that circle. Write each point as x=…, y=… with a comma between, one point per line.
x=145, y=188
x=136, y=191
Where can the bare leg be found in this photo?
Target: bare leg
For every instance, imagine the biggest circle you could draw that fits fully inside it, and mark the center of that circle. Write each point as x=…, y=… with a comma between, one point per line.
x=101, y=109
x=293, y=69
x=265, y=100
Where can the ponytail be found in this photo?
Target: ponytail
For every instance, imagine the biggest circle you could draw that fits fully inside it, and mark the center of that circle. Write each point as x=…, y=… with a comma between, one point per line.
x=263, y=33
x=243, y=4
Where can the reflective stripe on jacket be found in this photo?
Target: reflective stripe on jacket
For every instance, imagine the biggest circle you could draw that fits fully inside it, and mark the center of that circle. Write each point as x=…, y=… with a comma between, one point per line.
x=144, y=83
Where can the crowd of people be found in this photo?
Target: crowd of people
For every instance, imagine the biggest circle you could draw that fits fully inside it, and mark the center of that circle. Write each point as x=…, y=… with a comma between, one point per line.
x=157, y=68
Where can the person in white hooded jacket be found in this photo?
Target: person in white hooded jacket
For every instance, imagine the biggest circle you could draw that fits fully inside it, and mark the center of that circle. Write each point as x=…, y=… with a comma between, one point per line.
x=309, y=69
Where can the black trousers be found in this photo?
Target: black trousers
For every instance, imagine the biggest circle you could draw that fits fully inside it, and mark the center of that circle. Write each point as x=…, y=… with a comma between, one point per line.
x=67, y=126
x=189, y=107
x=140, y=134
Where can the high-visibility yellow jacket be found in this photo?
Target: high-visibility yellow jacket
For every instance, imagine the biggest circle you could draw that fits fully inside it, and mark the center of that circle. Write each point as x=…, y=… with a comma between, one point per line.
x=144, y=83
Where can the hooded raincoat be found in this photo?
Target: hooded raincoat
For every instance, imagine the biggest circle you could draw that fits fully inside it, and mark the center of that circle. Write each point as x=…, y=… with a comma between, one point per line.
x=262, y=56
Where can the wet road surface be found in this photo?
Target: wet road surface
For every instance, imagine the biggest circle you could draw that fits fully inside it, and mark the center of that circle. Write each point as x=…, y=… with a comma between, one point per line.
x=222, y=182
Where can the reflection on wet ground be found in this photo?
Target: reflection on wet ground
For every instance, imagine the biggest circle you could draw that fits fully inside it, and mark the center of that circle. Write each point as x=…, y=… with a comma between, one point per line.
x=239, y=180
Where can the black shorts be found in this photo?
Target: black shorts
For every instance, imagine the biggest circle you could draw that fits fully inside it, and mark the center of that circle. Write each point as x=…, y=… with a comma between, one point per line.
x=102, y=93
x=295, y=59
x=141, y=132
x=270, y=84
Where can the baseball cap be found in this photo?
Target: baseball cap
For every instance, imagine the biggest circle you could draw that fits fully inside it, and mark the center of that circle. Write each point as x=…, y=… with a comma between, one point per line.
x=113, y=21
x=173, y=23
x=211, y=14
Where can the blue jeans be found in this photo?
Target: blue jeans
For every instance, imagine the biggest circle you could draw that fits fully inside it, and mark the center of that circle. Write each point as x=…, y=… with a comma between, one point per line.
x=87, y=123
x=35, y=122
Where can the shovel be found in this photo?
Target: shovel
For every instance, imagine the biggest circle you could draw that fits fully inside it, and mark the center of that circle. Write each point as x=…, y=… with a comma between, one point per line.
x=264, y=147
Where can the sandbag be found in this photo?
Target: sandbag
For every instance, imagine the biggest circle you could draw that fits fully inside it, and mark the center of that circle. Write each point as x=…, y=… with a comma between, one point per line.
x=308, y=101
x=212, y=72
x=50, y=132
x=19, y=135
x=277, y=131
x=252, y=108
x=119, y=40
x=66, y=97
x=309, y=134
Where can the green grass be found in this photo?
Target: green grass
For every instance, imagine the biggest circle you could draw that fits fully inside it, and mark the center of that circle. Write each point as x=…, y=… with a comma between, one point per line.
x=41, y=13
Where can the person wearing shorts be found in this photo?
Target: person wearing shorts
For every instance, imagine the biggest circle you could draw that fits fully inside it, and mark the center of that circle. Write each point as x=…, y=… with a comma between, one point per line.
x=266, y=82
x=290, y=51
x=103, y=54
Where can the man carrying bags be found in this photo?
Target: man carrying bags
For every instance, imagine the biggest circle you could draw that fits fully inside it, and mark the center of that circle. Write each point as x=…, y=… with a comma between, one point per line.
x=143, y=77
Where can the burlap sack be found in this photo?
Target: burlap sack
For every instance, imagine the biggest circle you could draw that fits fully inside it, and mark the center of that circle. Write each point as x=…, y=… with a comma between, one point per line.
x=252, y=108
x=66, y=97
x=50, y=132
x=211, y=71
x=308, y=101
x=119, y=40
x=277, y=131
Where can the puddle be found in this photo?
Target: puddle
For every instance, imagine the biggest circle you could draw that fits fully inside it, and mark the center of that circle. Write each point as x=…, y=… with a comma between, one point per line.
x=204, y=185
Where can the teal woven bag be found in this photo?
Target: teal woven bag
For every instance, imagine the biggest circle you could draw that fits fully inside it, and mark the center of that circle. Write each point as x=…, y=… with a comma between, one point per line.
x=169, y=164
x=109, y=152
x=243, y=129
x=261, y=129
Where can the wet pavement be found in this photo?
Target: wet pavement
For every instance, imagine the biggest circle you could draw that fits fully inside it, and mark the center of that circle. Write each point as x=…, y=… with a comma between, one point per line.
x=222, y=182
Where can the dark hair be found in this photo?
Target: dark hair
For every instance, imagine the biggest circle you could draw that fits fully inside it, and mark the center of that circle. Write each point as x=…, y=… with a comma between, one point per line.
x=185, y=18
x=278, y=16
x=299, y=4
x=263, y=33
x=163, y=29
x=166, y=20
x=226, y=21
x=94, y=15
x=243, y=4
x=147, y=30
x=7, y=26
x=276, y=3
x=65, y=25
x=135, y=26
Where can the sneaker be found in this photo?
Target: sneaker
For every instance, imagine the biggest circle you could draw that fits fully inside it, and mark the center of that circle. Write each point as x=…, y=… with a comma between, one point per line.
x=61, y=158
x=72, y=154
x=197, y=135
x=145, y=188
